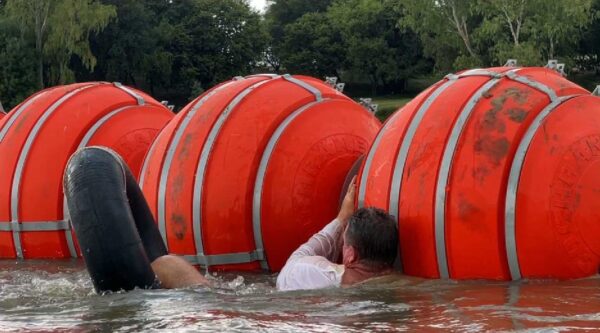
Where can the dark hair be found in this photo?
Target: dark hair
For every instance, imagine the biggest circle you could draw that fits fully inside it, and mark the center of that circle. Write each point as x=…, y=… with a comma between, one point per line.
x=374, y=235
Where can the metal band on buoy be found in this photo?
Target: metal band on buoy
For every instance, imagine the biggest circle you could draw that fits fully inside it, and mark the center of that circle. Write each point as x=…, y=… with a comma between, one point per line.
x=15, y=189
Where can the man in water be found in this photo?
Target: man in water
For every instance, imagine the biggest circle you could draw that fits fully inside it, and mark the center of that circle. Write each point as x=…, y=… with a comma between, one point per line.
x=123, y=248
x=367, y=240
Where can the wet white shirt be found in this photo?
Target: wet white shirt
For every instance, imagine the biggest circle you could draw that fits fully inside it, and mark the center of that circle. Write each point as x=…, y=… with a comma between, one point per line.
x=312, y=265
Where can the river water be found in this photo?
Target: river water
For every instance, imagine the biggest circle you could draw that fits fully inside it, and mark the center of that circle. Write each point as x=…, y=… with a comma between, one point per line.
x=58, y=296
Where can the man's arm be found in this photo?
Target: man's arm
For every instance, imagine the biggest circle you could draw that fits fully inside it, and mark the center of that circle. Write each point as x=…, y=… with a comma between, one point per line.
x=175, y=272
x=328, y=242
x=312, y=265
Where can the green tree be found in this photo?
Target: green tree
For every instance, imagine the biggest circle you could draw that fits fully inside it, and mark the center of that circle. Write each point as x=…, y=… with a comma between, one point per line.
x=17, y=63
x=445, y=28
x=376, y=48
x=279, y=15
x=313, y=45
x=588, y=52
x=507, y=27
x=559, y=25
x=132, y=48
x=212, y=41
x=60, y=29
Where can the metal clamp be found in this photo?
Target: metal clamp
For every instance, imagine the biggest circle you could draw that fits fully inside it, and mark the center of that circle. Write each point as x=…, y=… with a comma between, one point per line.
x=596, y=91
x=332, y=81
x=171, y=107
x=511, y=63
x=1, y=108
x=369, y=105
x=554, y=65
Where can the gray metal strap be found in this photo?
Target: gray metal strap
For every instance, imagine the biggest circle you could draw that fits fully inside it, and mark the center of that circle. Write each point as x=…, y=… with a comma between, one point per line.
x=13, y=116
x=445, y=168
x=90, y=133
x=513, y=185
x=533, y=84
x=16, y=185
x=146, y=163
x=15, y=226
x=305, y=85
x=260, y=177
x=171, y=149
x=139, y=99
x=271, y=75
x=364, y=178
x=362, y=189
x=203, y=162
x=224, y=259
x=399, y=164
x=480, y=72
x=596, y=91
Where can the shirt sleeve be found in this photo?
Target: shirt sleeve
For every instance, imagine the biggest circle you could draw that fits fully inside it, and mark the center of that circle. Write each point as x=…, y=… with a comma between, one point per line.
x=311, y=265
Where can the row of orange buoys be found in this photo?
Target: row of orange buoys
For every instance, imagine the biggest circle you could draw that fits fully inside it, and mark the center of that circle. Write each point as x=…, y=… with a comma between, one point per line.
x=489, y=171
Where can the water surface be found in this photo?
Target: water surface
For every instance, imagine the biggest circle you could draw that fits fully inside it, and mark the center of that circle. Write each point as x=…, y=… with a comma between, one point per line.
x=58, y=296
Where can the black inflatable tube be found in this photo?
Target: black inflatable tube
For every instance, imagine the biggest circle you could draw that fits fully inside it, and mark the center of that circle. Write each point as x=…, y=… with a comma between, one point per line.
x=113, y=224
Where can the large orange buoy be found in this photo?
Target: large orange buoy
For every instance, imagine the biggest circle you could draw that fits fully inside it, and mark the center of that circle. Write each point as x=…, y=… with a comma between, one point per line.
x=249, y=170
x=492, y=175
x=37, y=138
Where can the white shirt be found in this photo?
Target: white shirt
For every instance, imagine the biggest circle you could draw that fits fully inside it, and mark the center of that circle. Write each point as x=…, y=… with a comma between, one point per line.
x=311, y=265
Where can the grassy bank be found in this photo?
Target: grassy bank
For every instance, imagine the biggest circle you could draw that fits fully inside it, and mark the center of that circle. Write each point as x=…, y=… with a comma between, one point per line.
x=389, y=105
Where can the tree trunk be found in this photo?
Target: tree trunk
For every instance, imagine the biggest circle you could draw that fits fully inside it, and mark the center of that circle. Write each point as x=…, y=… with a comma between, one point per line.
x=551, y=50
x=40, y=71
x=41, y=10
x=373, y=85
x=461, y=27
x=40, y=52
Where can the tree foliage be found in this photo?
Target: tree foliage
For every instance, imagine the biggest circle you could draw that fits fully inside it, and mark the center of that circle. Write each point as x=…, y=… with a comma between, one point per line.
x=488, y=32
x=17, y=64
x=60, y=29
x=175, y=49
x=376, y=48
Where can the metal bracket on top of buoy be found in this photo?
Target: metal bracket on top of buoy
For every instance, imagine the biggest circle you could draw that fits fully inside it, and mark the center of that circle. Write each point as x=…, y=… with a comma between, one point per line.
x=332, y=82
x=369, y=105
x=596, y=91
x=511, y=63
x=171, y=107
x=554, y=65
x=1, y=108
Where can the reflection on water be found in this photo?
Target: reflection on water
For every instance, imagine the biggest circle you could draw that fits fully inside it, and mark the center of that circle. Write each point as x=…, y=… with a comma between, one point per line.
x=58, y=296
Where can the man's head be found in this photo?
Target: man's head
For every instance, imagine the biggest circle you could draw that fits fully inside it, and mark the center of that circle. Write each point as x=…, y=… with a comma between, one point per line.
x=371, y=237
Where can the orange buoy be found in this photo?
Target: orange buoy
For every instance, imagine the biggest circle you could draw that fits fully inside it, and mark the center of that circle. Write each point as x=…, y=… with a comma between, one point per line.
x=36, y=140
x=249, y=170
x=490, y=174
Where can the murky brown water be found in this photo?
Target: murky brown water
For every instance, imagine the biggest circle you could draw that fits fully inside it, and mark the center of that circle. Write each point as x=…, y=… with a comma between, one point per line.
x=58, y=296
